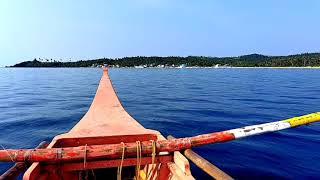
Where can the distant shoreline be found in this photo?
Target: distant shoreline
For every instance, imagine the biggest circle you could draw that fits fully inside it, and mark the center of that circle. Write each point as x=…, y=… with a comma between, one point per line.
x=289, y=67
x=316, y=67
x=306, y=60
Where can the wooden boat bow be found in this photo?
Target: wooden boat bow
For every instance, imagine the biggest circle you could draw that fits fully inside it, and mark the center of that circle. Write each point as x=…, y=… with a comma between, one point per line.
x=106, y=116
x=107, y=122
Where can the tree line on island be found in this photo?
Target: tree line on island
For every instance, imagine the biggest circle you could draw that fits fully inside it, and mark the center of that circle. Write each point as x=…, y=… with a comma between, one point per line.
x=252, y=60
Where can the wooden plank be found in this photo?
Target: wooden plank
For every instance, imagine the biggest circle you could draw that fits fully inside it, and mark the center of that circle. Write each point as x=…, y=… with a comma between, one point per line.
x=177, y=174
x=205, y=165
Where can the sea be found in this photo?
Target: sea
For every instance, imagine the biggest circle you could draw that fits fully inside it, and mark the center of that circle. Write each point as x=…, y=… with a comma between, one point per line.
x=37, y=104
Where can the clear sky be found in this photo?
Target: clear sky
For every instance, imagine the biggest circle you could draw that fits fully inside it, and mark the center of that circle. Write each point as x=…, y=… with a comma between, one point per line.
x=82, y=29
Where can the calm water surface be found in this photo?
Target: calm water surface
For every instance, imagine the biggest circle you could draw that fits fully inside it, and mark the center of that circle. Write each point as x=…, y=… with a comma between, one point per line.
x=37, y=104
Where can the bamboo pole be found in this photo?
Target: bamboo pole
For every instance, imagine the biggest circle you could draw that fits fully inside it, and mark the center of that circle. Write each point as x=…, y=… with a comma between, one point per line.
x=114, y=151
x=205, y=165
x=20, y=167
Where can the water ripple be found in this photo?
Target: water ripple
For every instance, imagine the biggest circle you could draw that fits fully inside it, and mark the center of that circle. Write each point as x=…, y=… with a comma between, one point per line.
x=37, y=104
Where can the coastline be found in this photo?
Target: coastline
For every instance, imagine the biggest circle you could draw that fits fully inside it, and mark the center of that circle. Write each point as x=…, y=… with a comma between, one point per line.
x=310, y=67
x=191, y=67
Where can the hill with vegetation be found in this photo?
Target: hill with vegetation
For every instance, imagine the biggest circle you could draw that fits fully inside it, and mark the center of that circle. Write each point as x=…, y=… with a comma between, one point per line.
x=252, y=60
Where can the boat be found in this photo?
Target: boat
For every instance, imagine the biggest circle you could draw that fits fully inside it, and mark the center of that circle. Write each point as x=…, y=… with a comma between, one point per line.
x=108, y=143
x=182, y=66
x=107, y=122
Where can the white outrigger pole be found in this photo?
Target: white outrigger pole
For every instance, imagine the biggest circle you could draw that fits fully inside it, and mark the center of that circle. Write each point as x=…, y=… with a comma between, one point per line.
x=275, y=126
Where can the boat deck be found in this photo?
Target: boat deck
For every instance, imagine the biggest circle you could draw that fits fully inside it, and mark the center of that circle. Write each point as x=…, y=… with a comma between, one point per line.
x=107, y=122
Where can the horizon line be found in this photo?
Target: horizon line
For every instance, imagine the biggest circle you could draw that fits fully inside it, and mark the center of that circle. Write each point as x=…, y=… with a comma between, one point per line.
x=120, y=57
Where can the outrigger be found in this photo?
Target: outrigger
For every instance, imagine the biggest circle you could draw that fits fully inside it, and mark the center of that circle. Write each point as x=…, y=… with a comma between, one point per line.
x=107, y=143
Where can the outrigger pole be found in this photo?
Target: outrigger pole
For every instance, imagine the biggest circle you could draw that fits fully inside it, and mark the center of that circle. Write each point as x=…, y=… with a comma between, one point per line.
x=114, y=151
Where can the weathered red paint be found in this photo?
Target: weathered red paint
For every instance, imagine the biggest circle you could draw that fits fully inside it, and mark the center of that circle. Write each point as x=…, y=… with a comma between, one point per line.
x=106, y=123
x=19, y=167
x=204, y=165
x=111, y=151
x=78, y=166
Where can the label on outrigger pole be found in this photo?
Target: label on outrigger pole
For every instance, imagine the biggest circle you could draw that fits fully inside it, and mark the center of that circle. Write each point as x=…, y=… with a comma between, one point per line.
x=274, y=126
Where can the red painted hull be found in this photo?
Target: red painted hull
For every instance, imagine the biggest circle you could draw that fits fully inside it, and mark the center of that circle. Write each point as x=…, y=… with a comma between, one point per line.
x=107, y=122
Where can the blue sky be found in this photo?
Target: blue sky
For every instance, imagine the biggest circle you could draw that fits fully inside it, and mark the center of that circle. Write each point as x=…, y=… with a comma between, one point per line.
x=79, y=29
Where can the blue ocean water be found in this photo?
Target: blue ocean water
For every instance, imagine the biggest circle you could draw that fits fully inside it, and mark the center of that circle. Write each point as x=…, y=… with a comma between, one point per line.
x=37, y=104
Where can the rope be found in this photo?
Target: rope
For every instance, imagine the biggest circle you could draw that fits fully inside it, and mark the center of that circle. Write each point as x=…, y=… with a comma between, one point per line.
x=26, y=157
x=138, y=159
x=153, y=155
x=7, y=153
x=122, y=158
x=85, y=157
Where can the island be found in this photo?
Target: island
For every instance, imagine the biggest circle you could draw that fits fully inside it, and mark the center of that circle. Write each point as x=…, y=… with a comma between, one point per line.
x=252, y=60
